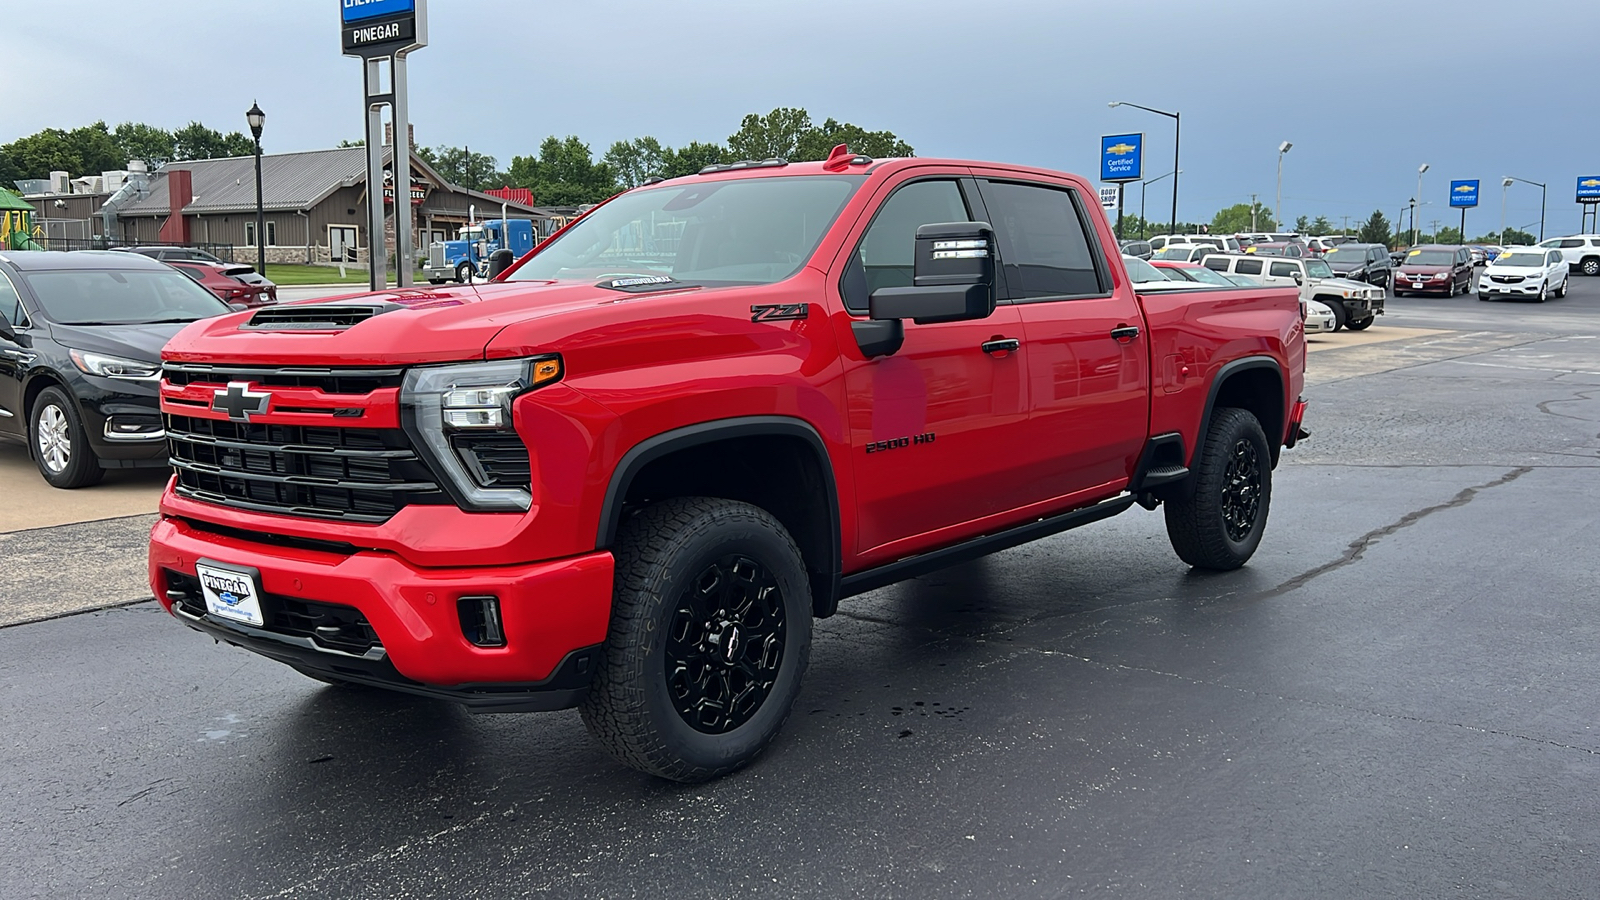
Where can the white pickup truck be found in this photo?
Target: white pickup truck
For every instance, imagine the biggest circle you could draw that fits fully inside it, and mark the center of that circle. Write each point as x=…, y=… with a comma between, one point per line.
x=1355, y=304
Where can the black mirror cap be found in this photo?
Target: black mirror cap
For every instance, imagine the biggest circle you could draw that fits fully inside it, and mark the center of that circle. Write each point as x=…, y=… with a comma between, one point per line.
x=6, y=331
x=954, y=253
x=931, y=305
x=499, y=261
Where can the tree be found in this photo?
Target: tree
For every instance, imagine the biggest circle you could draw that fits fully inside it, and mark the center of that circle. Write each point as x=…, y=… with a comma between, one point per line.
x=1236, y=219
x=79, y=151
x=1511, y=238
x=691, y=158
x=1302, y=225
x=1448, y=235
x=196, y=141
x=136, y=140
x=358, y=142
x=462, y=167
x=775, y=135
x=1321, y=226
x=563, y=174
x=636, y=161
x=817, y=143
x=1376, y=229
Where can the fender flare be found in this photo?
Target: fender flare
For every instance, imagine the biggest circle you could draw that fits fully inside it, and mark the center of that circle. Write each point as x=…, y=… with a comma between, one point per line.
x=825, y=590
x=1223, y=374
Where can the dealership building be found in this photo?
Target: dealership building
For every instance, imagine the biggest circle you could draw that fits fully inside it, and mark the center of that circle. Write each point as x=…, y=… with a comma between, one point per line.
x=315, y=206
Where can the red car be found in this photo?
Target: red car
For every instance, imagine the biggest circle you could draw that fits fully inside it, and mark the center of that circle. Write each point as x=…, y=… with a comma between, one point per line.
x=221, y=279
x=1434, y=269
x=627, y=472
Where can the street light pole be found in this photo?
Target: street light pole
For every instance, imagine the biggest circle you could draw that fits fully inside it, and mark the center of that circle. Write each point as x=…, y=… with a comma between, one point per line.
x=1142, y=183
x=1505, y=185
x=1543, y=193
x=257, y=118
x=1277, y=211
x=1415, y=200
x=1177, y=137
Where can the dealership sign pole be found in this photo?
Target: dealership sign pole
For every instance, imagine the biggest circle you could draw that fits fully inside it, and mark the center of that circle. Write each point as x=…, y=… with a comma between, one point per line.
x=380, y=32
x=1121, y=161
x=1589, y=195
x=1464, y=196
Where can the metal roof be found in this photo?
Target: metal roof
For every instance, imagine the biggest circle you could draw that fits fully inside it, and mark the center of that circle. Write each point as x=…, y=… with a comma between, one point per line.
x=289, y=182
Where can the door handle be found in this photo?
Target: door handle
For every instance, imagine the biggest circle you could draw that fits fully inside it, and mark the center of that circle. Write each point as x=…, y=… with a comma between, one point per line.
x=1001, y=345
x=1125, y=333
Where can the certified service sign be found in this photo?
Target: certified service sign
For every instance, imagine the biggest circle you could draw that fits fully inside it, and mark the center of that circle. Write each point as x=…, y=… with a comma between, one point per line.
x=1589, y=189
x=362, y=10
x=1121, y=157
x=1464, y=194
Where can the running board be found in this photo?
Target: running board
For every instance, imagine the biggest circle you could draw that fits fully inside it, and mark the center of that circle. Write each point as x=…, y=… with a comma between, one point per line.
x=911, y=567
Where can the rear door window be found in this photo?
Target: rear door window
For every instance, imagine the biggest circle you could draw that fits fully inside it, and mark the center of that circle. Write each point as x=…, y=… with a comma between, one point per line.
x=1248, y=267
x=1284, y=270
x=1216, y=263
x=1044, y=244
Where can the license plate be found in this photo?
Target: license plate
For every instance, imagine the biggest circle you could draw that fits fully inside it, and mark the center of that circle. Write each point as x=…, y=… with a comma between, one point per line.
x=232, y=592
x=1419, y=284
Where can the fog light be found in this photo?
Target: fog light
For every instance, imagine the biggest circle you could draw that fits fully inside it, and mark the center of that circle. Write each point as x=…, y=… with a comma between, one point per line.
x=480, y=621
x=124, y=428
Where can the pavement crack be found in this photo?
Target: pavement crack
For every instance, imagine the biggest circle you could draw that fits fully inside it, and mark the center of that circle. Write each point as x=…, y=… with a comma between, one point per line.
x=1577, y=397
x=1360, y=545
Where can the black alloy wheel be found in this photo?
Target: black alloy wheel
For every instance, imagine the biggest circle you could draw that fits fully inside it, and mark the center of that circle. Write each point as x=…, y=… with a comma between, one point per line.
x=725, y=645
x=709, y=638
x=1241, y=491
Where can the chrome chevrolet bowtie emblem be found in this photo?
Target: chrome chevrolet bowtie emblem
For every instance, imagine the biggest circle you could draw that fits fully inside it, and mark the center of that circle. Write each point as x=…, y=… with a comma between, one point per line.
x=239, y=402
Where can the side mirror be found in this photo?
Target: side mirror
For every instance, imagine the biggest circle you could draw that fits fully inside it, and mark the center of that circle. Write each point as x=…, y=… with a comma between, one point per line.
x=6, y=331
x=237, y=307
x=499, y=261
x=1299, y=279
x=952, y=277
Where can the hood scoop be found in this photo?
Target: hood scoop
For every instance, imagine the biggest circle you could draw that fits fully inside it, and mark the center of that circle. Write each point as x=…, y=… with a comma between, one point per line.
x=317, y=316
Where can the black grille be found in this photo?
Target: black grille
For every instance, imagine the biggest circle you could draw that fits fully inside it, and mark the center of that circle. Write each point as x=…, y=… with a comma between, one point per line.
x=329, y=381
x=495, y=460
x=316, y=316
x=331, y=625
x=355, y=474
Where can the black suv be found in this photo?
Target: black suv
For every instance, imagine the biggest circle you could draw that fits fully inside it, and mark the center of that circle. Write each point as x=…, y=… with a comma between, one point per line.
x=80, y=357
x=1361, y=262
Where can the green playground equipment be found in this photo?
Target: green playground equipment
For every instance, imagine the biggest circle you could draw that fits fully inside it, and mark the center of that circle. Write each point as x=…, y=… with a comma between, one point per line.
x=17, y=231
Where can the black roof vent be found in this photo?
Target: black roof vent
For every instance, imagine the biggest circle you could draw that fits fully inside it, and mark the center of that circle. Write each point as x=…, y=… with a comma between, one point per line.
x=316, y=316
x=773, y=163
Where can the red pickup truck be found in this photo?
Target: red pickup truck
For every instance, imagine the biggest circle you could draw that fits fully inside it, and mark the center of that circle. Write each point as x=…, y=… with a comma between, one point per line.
x=628, y=471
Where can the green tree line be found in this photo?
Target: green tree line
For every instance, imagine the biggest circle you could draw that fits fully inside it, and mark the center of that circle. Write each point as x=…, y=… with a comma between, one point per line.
x=98, y=148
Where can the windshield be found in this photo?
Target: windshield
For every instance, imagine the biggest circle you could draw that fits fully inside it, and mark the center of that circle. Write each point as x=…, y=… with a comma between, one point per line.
x=1316, y=268
x=1530, y=260
x=1176, y=251
x=1266, y=250
x=1430, y=258
x=1141, y=272
x=100, y=297
x=747, y=231
x=1202, y=275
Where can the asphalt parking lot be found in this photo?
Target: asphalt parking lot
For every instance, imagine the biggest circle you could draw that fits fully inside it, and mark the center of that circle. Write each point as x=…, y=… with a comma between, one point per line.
x=1395, y=698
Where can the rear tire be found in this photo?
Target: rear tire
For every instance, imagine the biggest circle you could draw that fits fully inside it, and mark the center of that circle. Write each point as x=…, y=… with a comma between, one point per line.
x=1219, y=522
x=1590, y=266
x=710, y=635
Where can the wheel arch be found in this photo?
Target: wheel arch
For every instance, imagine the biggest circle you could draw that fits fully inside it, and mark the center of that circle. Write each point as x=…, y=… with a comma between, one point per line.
x=37, y=384
x=1253, y=383
x=778, y=463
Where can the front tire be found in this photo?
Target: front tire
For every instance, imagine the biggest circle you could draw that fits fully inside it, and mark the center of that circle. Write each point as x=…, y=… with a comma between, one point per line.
x=710, y=635
x=463, y=272
x=1562, y=291
x=60, y=443
x=1362, y=325
x=1340, y=315
x=1544, y=291
x=1219, y=522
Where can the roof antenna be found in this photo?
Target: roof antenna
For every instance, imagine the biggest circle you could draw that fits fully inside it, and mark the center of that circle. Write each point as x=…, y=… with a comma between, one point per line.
x=839, y=159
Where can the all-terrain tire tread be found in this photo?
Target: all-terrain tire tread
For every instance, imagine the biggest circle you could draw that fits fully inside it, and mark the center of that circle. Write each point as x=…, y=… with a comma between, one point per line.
x=1194, y=521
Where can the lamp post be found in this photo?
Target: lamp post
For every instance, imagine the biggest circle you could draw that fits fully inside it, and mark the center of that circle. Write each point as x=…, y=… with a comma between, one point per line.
x=1415, y=200
x=1142, y=184
x=257, y=118
x=1177, y=134
x=1277, y=211
x=1505, y=185
x=1542, y=195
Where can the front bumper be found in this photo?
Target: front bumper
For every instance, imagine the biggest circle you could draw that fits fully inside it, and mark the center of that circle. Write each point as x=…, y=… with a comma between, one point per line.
x=1523, y=288
x=1429, y=286
x=123, y=419
x=553, y=614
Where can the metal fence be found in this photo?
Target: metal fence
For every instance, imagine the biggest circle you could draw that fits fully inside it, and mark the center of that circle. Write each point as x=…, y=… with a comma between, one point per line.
x=58, y=241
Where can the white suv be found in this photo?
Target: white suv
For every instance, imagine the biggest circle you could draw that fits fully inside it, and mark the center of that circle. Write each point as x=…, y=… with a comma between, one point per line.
x=1227, y=243
x=1532, y=272
x=1355, y=305
x=1581, y=250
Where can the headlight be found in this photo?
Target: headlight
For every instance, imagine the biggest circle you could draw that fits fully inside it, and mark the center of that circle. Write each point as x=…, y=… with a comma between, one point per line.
x=1438, y=276
x=459, y=419
x=114, y=366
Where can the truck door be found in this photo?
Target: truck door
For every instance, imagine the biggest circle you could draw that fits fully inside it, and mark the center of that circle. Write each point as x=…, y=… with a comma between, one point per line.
x=13, y=360
x=1088, y=359
x=932, y=426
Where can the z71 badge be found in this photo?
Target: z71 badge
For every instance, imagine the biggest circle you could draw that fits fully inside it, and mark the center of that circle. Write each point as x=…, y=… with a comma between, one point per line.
x=775, y=312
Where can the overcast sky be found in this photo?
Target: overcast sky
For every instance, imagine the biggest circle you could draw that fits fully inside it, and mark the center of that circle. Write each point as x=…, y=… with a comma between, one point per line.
x=1365, y=91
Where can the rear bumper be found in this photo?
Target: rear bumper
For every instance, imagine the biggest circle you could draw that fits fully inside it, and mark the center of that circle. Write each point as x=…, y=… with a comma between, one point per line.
x=1296, y=431
x=553, y=613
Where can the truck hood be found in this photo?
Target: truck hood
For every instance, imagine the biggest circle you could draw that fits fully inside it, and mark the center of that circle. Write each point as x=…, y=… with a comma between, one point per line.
x=446, y=324
x=1340, y=284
